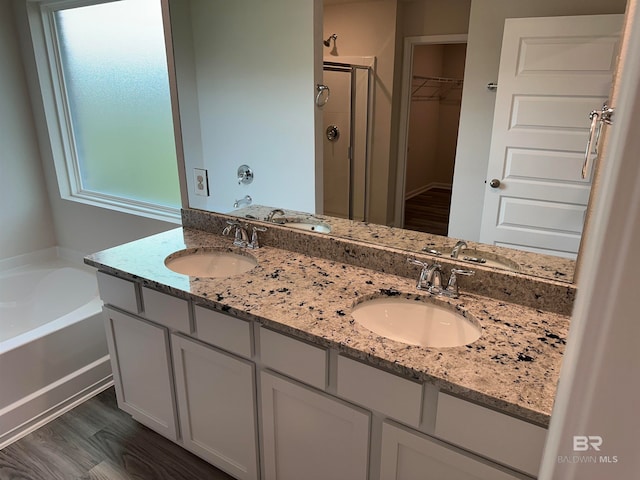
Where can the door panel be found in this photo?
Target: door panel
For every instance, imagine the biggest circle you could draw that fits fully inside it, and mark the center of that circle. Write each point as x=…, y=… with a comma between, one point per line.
x=553, y=72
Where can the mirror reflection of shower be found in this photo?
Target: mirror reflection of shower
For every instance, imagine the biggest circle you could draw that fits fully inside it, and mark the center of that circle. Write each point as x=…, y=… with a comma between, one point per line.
x=346, y=120
x=327, y=43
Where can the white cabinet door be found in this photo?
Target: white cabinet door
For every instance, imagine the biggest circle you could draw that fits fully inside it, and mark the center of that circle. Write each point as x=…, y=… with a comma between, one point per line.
x=142, y=371
x=413, y=456
x=309, y=435
x=216, y=401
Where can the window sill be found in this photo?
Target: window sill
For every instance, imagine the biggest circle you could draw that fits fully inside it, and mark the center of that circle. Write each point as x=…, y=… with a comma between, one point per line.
x=131, y=207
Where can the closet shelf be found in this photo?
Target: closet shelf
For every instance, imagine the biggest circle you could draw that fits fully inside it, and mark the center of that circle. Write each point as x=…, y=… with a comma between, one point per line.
x=433, y=88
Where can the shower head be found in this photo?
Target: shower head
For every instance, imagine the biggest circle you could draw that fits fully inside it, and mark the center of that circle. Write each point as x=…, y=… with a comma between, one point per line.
x=327, y=42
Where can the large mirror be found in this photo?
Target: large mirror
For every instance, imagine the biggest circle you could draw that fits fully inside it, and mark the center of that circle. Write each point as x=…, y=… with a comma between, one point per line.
x=248, y=76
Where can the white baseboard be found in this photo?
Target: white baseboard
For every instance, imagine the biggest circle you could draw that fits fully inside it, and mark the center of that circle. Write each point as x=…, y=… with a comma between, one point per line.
x=30, y=413
x=425, y=188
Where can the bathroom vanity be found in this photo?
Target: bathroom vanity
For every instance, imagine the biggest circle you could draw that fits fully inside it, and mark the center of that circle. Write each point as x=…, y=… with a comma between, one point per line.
x=266, y=374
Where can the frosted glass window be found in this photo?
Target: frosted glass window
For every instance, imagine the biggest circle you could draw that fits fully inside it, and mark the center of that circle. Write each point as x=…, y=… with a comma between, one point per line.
x=117, y=88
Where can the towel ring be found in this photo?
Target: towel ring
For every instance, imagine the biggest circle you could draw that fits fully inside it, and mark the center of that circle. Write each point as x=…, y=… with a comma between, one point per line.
x=321, y=89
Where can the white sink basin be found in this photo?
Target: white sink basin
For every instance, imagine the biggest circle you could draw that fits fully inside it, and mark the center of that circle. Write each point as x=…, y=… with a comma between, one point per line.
x=312, y=227
x=198, y=262
x=415, y=322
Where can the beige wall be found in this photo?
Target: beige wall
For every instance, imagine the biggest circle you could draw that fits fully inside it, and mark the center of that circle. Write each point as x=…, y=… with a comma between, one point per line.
x=483, y=58
x=452, y=67
x=433, y=125
x=25, y=216
x=424, y=121
x=434, y=17
x=369, y=29
x=418, y=18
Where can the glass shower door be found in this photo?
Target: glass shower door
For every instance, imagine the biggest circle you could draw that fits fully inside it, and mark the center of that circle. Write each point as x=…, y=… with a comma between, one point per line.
x=345, y=133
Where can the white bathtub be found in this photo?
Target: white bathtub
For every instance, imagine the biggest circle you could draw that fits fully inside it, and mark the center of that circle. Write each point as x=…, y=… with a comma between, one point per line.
x=53, y=352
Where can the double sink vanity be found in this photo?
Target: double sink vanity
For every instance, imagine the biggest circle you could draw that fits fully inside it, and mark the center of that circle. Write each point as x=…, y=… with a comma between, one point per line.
x=314, y=357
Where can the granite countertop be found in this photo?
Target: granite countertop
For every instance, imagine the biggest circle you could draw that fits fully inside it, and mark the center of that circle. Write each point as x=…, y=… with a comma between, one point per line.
x=514, y=366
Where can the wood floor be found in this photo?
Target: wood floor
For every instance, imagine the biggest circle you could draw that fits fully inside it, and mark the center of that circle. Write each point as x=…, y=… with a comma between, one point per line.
x=428, y=212
x=97, y=441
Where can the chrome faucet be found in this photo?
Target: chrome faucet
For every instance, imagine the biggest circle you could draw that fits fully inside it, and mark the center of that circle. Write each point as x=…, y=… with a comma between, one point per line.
x=430, y=275
x=430, y=279
x=272, y=213
x=254, y=243
x=457, y=248
x=241, y=238
x=433, y=278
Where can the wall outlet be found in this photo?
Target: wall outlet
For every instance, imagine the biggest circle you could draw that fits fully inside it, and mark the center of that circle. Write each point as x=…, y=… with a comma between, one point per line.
x=201, y=182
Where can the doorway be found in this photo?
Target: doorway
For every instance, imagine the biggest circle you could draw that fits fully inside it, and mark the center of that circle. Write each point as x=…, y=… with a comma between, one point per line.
x=346, y=140
x=430, y=113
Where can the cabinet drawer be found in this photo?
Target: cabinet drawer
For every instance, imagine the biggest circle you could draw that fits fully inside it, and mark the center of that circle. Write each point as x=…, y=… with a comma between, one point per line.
x=387, y=393
x=118, y=292
x=169, y=311
x=294, y=358
x=224, y=331
x=495, y=435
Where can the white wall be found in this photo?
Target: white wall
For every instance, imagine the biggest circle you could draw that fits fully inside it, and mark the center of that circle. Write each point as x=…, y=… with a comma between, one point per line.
x=25, y=216
x=483, y=58
x=599, y=389
x=246, y=91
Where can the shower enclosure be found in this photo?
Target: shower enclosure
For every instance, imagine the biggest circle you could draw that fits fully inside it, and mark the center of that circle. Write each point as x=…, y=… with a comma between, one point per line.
x=346, y=122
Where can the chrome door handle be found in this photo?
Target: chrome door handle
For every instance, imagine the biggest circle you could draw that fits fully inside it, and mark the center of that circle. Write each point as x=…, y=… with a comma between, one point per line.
x=494, y=183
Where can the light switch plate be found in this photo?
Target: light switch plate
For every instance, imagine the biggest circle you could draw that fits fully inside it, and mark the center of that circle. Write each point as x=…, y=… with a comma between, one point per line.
x=201, y=182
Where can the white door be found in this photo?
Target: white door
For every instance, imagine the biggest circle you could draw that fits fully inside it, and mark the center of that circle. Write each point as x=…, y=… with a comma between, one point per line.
x=216, y=401
x=309, y=435
x=553, y=72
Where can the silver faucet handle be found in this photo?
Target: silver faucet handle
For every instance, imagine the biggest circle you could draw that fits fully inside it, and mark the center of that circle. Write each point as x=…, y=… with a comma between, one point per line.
x=415, y=261
x=230, y=225
x=254, y=243
x=452, y=285
x=459, y=271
